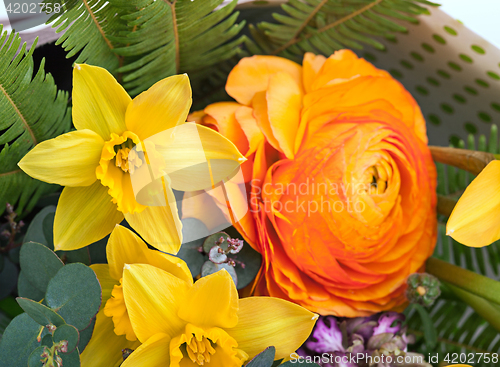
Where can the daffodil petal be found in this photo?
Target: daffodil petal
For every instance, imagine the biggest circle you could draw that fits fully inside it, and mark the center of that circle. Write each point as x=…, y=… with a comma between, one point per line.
x=99, y=101
x=84, y=215
x=102, y=271
x=163, y=106
x=475, y=220
x=265, y=321
x=68, y=160
x=125, y=247
x=153, y=353
x=252, y=74
x=105, y=347
x=217, y=295
x=160, y=226
x=197, y=157
x=153, y=297
x=284, y=102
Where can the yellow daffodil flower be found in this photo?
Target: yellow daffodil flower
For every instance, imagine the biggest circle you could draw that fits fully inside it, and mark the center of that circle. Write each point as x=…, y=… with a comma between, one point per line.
x=475, y=220
x=113, y=328
x=205, y=324
x=96, y=161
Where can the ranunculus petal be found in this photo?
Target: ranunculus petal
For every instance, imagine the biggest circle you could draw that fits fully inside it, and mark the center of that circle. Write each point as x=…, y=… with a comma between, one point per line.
x=125, y=247
x=224, y=115
x=311, y=65
x=99, y=101
x=68, y=160
x=153, y=353
x=84, y=215
x=252, y=74
x=217, y=295
x=163, y=106
x=265, y=321
x=106, y=280
x=160, y=226
x=105, y=347
x=284, y=102
x=475, y=221
x=153, y=298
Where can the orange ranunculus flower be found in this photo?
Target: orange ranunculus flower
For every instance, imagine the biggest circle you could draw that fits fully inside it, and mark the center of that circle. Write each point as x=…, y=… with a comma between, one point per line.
x=342, y=184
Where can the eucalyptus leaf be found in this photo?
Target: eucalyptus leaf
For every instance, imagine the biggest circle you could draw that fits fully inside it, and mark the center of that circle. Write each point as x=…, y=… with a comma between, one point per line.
x=40, y=313
x=264, y=358
x=19, y=340
x=27, y=290
x=71, y=359
x=47, y=340
x=39, y=264
x=35, y=358
x=2, y=262
x=75, y=293
x=36, y=231
x=8, y=279
x=193, y=232
x=67, y=333
x=213, y=240
x=251, y=260
x=85, y=336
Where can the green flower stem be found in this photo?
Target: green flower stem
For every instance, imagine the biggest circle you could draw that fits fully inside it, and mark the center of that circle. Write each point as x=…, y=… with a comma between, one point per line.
x=487, y=310
x=466, y=280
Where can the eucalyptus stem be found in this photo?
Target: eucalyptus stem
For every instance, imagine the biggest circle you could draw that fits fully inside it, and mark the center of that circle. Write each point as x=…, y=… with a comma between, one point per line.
x=466, y=280
x=445, y=205
x=487, y=310
x=469, y=160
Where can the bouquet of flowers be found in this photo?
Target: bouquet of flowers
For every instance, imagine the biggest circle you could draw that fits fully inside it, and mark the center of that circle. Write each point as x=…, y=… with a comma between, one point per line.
x=208, y=193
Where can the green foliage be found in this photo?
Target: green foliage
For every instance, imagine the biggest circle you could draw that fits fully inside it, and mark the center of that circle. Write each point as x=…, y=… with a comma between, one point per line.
x=263, y=359
x=31, y=110
x=89, y=26
x=197, y=244
x=324, y=26
x=452, y=183
x=62, y=316
x=459, y=330
x=18, y=341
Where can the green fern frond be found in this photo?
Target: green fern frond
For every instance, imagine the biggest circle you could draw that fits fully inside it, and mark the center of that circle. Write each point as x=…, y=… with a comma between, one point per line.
x=175, y=36
x=324, y=26
x=89, y=26
x=452, y=183
x=459, y=330
x=31, y=110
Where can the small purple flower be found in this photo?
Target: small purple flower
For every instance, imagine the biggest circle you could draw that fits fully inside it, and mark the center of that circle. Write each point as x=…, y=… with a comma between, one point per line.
x=326, y=339
x=386, y=320
x=376, y=336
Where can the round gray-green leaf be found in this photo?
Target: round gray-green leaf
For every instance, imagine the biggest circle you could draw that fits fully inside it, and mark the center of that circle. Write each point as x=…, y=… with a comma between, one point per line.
x=263, y=359
x=213, y=240
x=8, y=278
x=75, y=293
x=252, y=260
x=35, y=358
x=40, y=313
x=193, y=234
x=68, y=333
x=27, y=290
x=19, y=340
x=39, y=264
x=35, y=231
x=71, y=359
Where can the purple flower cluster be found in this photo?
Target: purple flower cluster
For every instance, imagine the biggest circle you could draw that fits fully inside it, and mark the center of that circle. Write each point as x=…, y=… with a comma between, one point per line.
x=376, y=341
